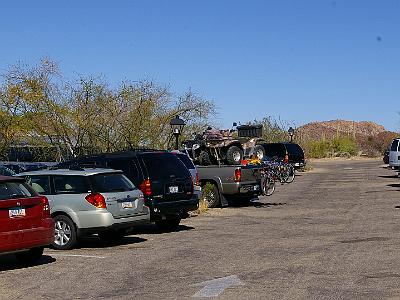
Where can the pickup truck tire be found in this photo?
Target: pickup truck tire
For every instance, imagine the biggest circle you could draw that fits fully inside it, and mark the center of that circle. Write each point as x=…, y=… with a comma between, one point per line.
x=168, y=225
x=234, y=155
x=211, y=196
x=204, y=158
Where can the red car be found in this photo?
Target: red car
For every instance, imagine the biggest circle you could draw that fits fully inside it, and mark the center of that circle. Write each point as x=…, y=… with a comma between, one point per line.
x=26, y=226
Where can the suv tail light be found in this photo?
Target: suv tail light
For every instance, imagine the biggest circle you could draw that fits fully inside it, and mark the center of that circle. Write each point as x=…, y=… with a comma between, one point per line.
x=46, y=206
x=97, y=200
x=145, y=187
x=286, y=159
x=197, y=178
x=238, y=175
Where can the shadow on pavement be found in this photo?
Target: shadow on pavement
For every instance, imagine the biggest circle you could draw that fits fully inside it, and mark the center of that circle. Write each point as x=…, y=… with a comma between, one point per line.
x=268, y=204
x=9, y=262
x=388, y=176
x=94, y=242
x=152, y=229
x=395, y=185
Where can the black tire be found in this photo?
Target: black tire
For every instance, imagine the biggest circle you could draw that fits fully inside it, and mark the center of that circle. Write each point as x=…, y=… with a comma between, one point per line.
x=69, y=231
x=211, y=196
x=234, y=155
x=259, y=151
x=30, y=256
x=267, y=186
x=204, y=158
x=291, y=174
x=111, y=236
x=168, y=225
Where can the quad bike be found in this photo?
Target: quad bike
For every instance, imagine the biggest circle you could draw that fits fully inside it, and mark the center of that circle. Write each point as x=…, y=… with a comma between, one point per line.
x=221, y=147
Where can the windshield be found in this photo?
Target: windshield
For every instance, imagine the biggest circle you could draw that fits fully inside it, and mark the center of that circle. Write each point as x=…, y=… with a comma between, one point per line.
x=107, y=183
x=395, y=145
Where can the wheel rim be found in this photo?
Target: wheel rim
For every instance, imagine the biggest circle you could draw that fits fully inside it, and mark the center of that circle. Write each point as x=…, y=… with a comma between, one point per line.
x=236, y=156
x=260, y=154
x=62, y=233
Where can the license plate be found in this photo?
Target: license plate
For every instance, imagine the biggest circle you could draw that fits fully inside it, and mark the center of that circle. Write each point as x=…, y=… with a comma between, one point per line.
x=256, y=188
x=173, y=189
x=127, y=204
x=17, y=212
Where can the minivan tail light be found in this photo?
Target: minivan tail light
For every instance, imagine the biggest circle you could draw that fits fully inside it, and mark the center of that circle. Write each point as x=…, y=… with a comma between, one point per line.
x=238, y=175
x=145, y=187
x=46, y=206
x=97, y=200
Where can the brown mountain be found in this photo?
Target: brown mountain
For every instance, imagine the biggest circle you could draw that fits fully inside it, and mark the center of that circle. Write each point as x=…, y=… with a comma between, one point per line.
x=371, y=138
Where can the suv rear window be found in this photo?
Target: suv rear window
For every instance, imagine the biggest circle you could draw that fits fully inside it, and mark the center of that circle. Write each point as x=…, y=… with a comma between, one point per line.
x=186, y=160
x=14, y=190
x=107, y=183
x=395, y=145
x=272, y=150
x=293, y=149
x=163, y=165
x=71, y=184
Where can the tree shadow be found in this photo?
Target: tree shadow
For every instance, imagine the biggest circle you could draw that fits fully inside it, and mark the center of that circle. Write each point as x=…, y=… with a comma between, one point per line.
x=388, y=176
x=395, y=185
x=9, y=262
x=268, y=204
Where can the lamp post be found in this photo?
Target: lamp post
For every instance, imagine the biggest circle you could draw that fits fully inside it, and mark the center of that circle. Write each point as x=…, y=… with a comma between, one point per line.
x=177, y=125
x=291, y=133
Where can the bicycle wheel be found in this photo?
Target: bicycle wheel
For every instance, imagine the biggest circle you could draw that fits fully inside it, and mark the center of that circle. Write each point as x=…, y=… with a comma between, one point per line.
x=291, y=174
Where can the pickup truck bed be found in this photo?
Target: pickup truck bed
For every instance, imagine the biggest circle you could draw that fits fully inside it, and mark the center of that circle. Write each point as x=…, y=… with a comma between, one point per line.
x=240, y=181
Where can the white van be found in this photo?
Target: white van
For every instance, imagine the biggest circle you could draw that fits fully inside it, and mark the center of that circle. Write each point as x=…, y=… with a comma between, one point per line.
x=394, y=154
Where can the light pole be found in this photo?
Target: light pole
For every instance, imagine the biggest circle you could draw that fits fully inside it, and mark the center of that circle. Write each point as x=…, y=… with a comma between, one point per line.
x=291, y=133
x=177, y=125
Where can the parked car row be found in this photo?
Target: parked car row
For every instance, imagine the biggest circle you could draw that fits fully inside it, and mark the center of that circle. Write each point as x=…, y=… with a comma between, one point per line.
x=109, y=194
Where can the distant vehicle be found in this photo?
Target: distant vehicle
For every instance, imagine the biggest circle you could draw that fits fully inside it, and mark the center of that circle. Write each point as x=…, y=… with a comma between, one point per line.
x=183, y=157
x=164, y=180
x=240, y=182
x=394, y=154
x=288, y=152
x=215, y=147
x=89, y=201
x=26, y=226
x=19, y=167
x=4, y=171
x=386, y=158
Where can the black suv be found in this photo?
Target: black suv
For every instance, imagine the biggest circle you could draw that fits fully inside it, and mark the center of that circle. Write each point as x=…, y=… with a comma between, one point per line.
x=160, y=175
x=294, y=152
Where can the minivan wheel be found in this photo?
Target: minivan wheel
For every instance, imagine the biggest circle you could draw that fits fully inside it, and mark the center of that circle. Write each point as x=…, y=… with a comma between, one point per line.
x=168, y=225
x=65, y=233
x=30, y=256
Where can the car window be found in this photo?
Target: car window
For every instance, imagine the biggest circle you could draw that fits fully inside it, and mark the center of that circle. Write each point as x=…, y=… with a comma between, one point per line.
x=107, y=183
x=40, y=184
x=14, y=190
x=164, y=165
x=272, y=150
x=71, y=184
x=186, y=160
x=395, y=145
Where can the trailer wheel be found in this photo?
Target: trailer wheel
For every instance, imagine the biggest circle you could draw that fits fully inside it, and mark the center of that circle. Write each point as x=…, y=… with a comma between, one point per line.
x=234, y=155
x=204, y=158
x=210, y=195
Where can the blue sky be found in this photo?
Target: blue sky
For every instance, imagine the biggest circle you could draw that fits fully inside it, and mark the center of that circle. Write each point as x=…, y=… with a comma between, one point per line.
x=302, y=61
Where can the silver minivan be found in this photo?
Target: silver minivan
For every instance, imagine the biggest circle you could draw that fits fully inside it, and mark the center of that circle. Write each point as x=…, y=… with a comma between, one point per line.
x=394, y=154
x=89, y=201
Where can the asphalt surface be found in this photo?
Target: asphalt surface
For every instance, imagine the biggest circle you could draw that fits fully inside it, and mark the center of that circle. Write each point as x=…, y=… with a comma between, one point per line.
x=331, y=234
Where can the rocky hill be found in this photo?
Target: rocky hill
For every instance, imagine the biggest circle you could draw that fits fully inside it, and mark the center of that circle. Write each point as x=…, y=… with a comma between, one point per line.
x=370, y=137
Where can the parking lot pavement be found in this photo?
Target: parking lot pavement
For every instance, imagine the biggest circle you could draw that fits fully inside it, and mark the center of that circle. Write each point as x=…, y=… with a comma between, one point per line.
x=331, y=234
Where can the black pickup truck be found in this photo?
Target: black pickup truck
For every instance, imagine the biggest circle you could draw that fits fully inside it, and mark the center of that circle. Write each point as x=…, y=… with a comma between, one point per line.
x=240, y=182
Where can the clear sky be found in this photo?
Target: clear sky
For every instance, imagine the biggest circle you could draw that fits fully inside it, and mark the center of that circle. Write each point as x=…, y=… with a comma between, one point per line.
x=300, y=60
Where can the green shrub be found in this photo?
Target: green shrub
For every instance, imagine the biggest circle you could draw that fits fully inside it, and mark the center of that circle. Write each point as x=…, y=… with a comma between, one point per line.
x=338, y=146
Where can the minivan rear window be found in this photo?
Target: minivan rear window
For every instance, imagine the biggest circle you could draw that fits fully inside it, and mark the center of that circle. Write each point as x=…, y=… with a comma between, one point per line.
x=164, y=165
x=14, y=190
x=395, y=145
x=108, y=183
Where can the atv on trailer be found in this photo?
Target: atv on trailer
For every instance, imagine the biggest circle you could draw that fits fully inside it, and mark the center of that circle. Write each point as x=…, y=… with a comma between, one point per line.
x=220, y=147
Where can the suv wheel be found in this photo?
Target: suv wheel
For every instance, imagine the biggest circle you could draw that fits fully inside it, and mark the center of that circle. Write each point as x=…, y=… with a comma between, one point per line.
x=168, y=225
x=65, y=233
x=234, y=155
x=30, y=256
